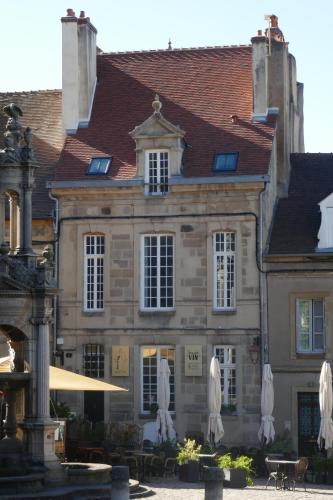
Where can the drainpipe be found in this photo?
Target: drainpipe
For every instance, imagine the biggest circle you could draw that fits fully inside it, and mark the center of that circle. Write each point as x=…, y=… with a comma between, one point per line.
x=56, y=262
x=263, y=285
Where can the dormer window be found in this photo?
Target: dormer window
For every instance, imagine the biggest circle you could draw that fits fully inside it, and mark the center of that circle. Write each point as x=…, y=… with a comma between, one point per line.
x=99, y=165
x=159, y=151
x=225, y=162
x=157, y=172
x=325, y=234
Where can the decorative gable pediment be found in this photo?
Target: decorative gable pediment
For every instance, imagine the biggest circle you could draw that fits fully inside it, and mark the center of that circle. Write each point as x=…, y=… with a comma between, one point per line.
x=156, y=126
x=325, y=233
x=157, y=133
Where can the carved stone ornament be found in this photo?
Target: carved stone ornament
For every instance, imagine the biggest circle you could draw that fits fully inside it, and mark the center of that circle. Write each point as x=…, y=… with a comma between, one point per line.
x=17, y=141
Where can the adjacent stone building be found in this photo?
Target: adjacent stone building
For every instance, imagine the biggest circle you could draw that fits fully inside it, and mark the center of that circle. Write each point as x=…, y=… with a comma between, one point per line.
x=163, y=217
x=300, y=297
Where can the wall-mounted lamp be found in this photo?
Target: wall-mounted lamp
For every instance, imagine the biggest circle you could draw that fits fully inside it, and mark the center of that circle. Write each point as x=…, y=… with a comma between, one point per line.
x=254, y=350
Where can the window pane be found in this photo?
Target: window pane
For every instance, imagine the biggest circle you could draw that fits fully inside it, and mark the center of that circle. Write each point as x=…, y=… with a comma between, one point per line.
x=93, y=360
x=226, y=356
x=158, y=271
x=94, y=272
x=151, y=358
x=224, y=255
x=158, y=172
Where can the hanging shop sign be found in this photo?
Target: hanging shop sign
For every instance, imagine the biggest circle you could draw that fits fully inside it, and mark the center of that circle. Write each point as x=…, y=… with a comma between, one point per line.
x=193, y=360
x=120, y=361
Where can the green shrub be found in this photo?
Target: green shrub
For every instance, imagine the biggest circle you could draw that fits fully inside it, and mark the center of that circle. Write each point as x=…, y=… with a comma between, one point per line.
x=242, y=462
x=188, y=451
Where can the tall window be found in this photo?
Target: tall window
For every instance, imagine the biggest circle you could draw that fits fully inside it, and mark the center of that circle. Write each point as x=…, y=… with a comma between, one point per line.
x=157, y=172
x=150, y=363
x=93, y=360
x=227, y=359
x=310, y=325
x=93, y=272
x=224, y=270
x=157, y=272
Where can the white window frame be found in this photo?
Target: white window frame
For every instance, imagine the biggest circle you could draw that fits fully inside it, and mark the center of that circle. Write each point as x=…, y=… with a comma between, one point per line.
x=224, y=254
x=97, y=262
x=158, y=348
x=148, y=184
x=224, y=367
x=142, y=273
x=311, y=332
x=100, y=360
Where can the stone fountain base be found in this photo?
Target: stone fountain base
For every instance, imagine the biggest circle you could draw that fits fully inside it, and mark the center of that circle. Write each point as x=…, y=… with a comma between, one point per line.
x=14, y=485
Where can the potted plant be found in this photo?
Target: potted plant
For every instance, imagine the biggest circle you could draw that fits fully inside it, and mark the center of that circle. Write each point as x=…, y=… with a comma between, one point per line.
x=329, y=477
x=237, y=472
x=188, y=460
x=320, y=468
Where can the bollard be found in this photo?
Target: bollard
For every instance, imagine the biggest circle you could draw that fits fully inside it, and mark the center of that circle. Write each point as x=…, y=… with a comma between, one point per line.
x=213, y=478
x=120, y=482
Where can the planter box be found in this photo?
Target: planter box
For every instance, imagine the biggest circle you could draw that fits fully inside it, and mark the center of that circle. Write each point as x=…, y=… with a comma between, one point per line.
x=234, y=478
x=189, y=472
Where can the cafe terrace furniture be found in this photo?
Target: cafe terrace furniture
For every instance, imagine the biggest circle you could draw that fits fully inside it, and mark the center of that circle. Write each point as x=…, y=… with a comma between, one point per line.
x=298, y=473
x=280, y=470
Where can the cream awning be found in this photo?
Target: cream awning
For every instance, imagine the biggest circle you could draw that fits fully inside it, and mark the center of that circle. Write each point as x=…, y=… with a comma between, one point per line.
x=68, y=381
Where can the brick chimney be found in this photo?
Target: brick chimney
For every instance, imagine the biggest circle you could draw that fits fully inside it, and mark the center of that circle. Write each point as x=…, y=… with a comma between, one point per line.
x=276, y=91
x=78, y=70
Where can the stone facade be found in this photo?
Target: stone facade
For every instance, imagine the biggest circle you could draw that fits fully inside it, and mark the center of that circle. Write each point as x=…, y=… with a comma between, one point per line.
x=195, y=208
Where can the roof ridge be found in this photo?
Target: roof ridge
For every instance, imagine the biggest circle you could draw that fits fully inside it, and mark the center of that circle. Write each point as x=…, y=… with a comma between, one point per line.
x=29, y=91
x=177, y=49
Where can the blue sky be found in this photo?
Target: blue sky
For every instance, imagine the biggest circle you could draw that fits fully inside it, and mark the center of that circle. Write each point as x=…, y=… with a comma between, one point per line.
x=30, y=48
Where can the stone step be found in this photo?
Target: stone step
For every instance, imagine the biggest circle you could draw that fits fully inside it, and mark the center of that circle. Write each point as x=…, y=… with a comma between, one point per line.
x=101, y=492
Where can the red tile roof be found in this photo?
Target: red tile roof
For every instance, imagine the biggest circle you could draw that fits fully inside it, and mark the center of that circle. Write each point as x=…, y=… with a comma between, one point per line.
x=199, y=90
x=42, y=112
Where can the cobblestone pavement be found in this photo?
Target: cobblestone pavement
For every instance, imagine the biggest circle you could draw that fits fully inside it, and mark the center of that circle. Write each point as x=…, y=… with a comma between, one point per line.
x=172, y=489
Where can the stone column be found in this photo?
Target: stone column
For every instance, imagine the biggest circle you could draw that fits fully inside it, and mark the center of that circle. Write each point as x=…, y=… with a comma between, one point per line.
x=24, y=224
x=120, y=482
x=2, y=218
x=213, y=478
x=27, y=224
x=10, y=419
x=43, y=363
x=13, y=222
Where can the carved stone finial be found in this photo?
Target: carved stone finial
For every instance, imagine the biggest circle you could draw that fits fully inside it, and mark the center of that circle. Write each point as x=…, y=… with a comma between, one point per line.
x=17, y=143
x=157, y=105
x=47, y=256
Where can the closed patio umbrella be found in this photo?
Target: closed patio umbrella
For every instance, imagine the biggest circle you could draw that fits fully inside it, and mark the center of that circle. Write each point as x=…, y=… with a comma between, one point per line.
x=215, y=426
x=164, y=424
x=326, y=404
x=266, y=431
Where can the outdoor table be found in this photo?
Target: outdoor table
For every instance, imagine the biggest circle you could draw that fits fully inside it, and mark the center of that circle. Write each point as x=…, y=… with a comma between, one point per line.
x=142, y=455
x=206, y=459
x=88, y=450
x=283, y=468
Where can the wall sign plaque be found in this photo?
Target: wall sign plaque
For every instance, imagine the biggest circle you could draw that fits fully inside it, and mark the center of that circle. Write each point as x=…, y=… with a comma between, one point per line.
x=193, y=360
x=120, y=361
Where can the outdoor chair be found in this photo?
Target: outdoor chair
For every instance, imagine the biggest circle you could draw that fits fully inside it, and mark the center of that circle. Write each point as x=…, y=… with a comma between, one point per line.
x=169, y=467
x=156, y=466
x=274, y=474
x=299, y=472
x=134, y=469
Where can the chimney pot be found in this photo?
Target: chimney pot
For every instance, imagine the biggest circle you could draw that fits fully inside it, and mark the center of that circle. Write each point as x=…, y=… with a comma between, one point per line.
x=70, y=13
x=259, y=33
x=234, y=118
x=82, y=14
x=274, y=21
